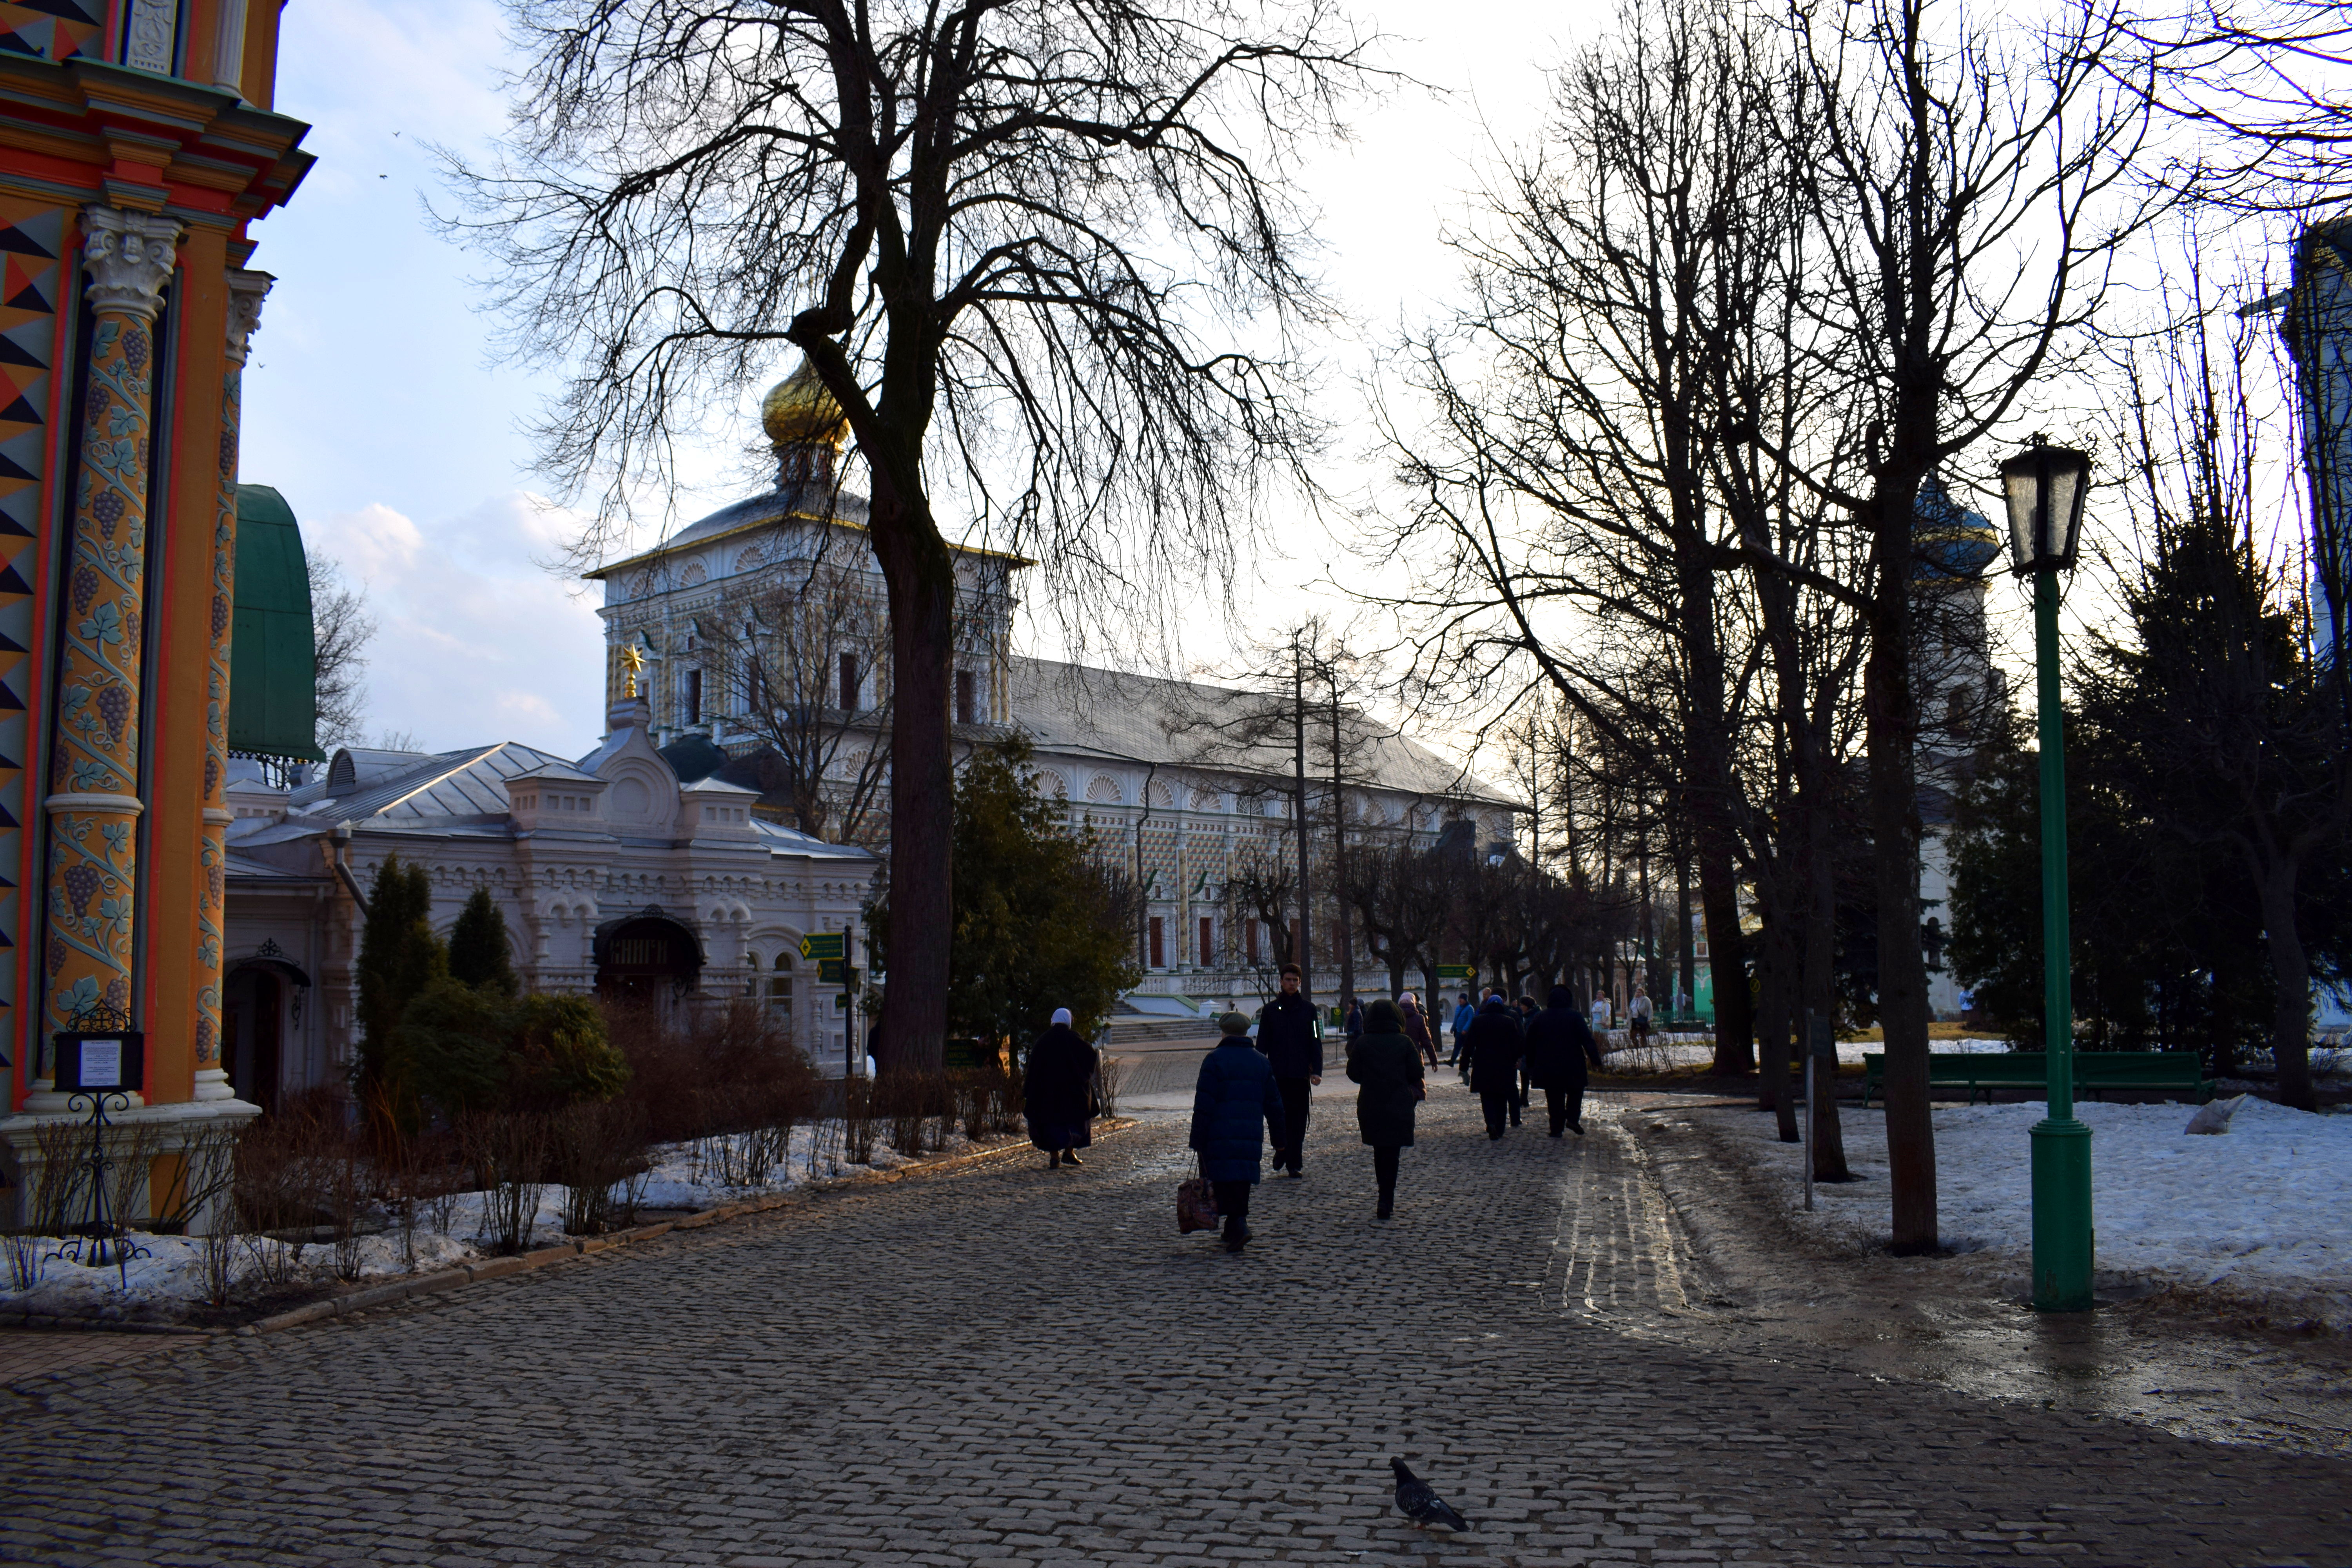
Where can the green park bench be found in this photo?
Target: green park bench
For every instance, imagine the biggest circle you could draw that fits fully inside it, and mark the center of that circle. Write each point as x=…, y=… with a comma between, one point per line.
x=2161, y=1072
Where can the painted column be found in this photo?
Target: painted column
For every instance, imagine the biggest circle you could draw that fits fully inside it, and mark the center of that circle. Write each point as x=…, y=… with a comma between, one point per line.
x=93, y=805
x=246, y=292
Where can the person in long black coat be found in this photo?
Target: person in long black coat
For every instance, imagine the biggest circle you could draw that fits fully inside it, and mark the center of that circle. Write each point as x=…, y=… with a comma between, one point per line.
x=1234, y=1103
x=1559, y=1044
x=1058, y=1094
x=1387, y=1062
x=1493, y=1042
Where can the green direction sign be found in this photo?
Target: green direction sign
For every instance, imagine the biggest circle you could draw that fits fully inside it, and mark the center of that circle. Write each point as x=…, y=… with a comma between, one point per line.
x=1454, y=972
x=834, y=972
x=841, y=1001
x=823, y=945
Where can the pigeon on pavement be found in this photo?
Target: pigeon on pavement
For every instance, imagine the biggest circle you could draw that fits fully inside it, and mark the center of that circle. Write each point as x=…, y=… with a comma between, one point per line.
x=1421, y=1505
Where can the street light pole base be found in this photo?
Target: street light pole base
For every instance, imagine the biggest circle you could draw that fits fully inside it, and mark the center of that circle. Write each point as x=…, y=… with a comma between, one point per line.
x=2062, y=1216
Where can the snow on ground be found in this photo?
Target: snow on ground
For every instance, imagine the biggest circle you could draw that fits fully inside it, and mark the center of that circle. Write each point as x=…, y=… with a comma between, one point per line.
x=696, y=1175
x=2259, y=1208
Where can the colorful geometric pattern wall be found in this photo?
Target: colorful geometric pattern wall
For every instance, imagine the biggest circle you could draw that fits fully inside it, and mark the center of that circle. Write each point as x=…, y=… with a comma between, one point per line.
x=51, y=30
x=32, y=237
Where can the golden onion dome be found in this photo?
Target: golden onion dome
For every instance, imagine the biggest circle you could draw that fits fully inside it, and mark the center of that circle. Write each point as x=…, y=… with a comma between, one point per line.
x=798, y=411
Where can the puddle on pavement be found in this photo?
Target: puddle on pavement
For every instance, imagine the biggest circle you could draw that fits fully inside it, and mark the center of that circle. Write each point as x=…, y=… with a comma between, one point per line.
x=2147, y=1355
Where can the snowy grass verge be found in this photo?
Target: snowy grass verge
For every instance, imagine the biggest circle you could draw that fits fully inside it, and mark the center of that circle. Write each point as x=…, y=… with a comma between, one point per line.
x=2257, y=1212
x=170, y=1281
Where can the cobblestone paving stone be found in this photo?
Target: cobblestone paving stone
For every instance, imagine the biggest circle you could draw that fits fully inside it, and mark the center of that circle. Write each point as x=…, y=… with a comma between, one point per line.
x=999, y=1364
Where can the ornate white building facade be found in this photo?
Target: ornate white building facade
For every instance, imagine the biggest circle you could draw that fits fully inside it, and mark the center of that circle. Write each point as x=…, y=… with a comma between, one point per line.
x=1151, y=766
x=611, y=874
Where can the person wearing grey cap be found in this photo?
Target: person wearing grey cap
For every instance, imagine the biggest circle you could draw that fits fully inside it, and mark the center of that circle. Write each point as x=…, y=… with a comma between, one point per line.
x=1233, y=1105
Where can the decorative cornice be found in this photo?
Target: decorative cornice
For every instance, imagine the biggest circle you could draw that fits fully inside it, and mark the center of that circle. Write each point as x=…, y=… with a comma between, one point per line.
x=129, y=257
x=246, y=292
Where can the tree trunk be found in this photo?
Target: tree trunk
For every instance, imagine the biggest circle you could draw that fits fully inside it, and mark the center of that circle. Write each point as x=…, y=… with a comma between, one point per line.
x=1726, y=960
x=1895, y=832
x=1820, y=990
x=920, y=576
x=2291, y=978
x=1776, y=1090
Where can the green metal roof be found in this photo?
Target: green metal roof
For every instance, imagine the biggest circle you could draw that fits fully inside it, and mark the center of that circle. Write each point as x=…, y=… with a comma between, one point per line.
x=273, y=695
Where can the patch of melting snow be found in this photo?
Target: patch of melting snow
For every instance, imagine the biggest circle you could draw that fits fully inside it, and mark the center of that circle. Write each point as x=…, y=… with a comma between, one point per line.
x=2260, y=1206
x=683, y=1176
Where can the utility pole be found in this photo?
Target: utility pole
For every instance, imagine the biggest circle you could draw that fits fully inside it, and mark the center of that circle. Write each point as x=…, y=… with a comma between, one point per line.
x=1298, y=815
x=1142, y=889
x=1344, y=930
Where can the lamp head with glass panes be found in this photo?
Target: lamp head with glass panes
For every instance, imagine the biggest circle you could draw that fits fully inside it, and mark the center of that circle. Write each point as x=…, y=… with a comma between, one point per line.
x=2045, y=486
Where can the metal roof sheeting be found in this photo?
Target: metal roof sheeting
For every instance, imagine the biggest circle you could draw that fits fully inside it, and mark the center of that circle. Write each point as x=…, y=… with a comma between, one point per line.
x=273, y=694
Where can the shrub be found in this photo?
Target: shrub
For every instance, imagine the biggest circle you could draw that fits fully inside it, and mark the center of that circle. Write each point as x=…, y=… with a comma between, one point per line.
x=598, y=1152
x=563, y=1054
x=454, y=1042
x=479, y=953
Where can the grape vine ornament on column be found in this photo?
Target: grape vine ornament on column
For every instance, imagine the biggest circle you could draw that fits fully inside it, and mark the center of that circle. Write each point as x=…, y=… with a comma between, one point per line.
x=93, y=805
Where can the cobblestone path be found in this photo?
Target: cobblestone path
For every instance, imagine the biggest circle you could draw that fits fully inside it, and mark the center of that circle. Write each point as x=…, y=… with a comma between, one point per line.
x=1000, y=1364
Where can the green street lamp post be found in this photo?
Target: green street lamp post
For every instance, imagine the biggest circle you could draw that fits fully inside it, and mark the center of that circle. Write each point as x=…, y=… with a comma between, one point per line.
x=2044, y=487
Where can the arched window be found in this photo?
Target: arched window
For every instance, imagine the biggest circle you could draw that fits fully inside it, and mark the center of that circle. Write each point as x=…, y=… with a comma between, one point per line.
x=780, y=984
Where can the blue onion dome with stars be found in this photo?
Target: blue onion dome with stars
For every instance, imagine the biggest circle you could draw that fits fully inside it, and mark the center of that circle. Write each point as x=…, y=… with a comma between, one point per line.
x=1949, y=543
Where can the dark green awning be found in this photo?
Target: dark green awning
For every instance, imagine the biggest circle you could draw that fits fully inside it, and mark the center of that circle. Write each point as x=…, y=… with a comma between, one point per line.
x=273, y=698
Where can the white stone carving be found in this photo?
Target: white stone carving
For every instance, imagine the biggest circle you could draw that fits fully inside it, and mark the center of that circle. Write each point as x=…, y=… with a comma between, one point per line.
x=129, y=255
x=147, y=42
x=246, y=292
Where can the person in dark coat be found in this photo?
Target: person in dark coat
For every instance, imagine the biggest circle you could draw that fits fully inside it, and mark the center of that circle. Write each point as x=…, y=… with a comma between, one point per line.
x=1416, y=1028
x=1355, y=1020
x=1528, y=1010
x=1559, y=1044
x=1388, y=1064
x=1291, y=1038
x=1235, y=1101
x=1056, y=1094
x=1494, y=1044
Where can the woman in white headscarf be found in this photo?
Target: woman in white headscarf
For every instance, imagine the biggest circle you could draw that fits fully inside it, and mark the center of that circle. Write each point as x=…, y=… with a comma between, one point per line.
x=1055, y=1093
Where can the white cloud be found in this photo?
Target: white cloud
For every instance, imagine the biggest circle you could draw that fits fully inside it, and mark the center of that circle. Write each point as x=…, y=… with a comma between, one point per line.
x=475, y=642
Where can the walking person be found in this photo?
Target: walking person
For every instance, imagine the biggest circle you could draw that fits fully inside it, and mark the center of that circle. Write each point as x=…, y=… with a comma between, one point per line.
x=1637, y=1014
x=1494, y=1044
x=1559, y=1046
x=1234, y=1103
x=1290, y=1037
x=1416, y=1028
x=1056, y=1093
x=1355, y=1020
x=1387, y=1063
x=1600, y=1018
x=1528, y=1010
x=1463, y=1015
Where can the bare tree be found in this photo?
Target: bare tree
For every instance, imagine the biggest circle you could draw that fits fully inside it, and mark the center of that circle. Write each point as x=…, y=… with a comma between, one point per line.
x=1579, y=417
x=1020, y=243
x=795, y=653
x=1973, y=191
x=2263, y=81
x=1264, y=887
x=341, y=630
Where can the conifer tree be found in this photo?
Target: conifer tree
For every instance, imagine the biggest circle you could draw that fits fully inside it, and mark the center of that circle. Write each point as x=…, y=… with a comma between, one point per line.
x=399, y=956
x=479, y=954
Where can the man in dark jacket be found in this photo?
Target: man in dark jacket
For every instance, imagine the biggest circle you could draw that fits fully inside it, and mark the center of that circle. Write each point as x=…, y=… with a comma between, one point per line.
x=1494, y=1044
x=1559, y=1044
x=1291, y=1039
